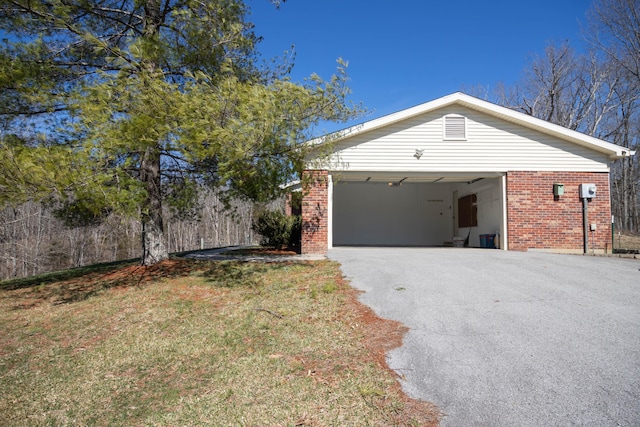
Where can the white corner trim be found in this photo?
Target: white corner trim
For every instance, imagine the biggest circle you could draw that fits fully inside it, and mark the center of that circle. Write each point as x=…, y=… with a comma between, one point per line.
x=504, y=234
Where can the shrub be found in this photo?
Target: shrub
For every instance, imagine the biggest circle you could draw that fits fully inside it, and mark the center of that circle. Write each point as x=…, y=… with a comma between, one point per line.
x=277, y=229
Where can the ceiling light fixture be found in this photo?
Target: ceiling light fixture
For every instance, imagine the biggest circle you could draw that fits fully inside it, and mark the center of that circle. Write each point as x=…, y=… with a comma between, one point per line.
x=396, y=184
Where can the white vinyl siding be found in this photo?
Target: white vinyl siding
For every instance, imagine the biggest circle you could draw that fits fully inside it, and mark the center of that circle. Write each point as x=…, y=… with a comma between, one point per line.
x=492, y=145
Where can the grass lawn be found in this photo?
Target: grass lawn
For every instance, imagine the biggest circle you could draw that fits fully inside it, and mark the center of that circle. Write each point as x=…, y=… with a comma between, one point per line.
x=198, y=343
x=627, y=242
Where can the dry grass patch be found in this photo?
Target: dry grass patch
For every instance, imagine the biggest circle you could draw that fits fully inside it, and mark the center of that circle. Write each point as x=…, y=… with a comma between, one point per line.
x=627, y=242
x=199, y=343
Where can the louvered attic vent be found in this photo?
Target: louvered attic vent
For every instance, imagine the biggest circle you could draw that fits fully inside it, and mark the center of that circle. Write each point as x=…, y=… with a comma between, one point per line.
x=455, y=127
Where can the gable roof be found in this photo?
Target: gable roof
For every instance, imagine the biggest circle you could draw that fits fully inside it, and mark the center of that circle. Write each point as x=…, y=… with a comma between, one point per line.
x=613, y=151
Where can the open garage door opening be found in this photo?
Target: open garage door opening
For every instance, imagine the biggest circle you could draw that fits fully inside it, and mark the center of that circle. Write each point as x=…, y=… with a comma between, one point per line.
x=403, y=211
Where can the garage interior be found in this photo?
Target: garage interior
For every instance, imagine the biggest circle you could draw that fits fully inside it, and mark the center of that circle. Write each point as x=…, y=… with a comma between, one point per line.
x=417, y=211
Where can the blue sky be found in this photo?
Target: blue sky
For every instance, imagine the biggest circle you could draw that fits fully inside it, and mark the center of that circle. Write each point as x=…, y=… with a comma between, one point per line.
x=405, y=52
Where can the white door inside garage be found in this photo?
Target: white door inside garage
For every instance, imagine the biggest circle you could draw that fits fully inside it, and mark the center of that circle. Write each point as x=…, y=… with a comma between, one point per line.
x=392, y=214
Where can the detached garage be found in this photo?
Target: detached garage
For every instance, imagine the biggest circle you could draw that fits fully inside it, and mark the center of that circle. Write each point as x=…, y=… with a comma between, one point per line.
x=459, y=168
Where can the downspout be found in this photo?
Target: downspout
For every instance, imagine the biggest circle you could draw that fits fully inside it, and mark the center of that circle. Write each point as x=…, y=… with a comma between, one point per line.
x=585, y=225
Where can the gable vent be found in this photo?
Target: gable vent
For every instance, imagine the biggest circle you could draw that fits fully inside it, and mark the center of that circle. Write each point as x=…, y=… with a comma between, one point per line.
x=455, y=127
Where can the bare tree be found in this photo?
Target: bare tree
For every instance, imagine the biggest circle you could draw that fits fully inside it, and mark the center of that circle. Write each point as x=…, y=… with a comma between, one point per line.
x=614, y=30
x=34, y=240
x=564, y=88
x=597, y=93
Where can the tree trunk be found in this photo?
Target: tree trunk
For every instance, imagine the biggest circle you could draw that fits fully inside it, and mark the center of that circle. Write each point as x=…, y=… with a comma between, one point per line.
x=154, y=249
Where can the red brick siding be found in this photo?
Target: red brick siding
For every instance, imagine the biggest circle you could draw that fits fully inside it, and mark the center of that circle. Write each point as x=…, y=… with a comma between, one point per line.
x=288, y=211
x=315, y=212
x=538, y=220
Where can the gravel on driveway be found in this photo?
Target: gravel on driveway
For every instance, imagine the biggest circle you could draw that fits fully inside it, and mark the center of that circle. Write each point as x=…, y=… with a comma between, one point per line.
x=501, y=338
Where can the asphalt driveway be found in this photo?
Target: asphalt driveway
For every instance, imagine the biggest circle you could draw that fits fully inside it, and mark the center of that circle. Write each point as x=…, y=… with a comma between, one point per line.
x=510, y=338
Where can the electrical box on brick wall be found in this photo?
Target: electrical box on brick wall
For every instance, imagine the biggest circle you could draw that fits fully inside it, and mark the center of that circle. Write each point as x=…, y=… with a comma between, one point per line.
x=558, y=189
x=587, y=191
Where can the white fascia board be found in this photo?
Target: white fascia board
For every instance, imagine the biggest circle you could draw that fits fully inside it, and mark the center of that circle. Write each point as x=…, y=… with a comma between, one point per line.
x=295, y=185
x=612, y=150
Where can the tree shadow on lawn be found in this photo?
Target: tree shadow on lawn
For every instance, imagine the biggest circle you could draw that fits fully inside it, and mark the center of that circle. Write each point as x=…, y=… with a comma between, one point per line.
x=235, y=274
x=63, y=275
x=81, y=286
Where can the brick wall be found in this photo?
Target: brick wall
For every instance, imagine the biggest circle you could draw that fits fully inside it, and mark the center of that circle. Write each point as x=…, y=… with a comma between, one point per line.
x=539, y=220
x=314, y=212
x=288, y=210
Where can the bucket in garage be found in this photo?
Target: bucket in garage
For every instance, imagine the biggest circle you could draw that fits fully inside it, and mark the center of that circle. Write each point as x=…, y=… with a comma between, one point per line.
x=458, y=242
x=488, y=241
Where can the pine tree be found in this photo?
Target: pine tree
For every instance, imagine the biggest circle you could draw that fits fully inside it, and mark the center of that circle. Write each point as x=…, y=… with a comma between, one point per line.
x=122, y=105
